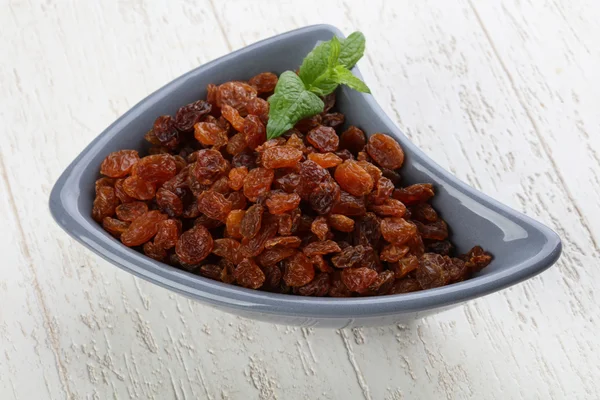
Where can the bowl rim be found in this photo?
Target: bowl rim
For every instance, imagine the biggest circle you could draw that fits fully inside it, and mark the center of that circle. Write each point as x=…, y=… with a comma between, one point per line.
x=235, y=297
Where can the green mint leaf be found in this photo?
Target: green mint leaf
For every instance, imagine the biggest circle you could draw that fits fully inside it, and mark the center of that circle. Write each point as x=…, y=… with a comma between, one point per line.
x=334, y=53
x=352, y=49
x=343, y=76
x=290, y=103
x=314, y=64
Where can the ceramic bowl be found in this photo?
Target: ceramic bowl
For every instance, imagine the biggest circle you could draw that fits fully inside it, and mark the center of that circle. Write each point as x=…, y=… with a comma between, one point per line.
x=521, y=246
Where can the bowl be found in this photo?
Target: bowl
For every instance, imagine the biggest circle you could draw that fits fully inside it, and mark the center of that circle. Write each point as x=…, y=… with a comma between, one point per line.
x=521, y=246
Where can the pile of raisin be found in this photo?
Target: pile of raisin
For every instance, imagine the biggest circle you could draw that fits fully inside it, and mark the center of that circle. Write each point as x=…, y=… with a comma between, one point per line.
x=319, y=211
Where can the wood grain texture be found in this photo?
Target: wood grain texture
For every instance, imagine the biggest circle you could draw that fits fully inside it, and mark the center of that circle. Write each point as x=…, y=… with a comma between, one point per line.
x=502, y=93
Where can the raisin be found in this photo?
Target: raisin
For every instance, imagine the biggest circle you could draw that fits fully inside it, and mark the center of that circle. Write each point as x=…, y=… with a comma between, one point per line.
x=442, y=247
x=324, y=196
x=179, y=183
x=318, y=287
x=114, y=226
x=209, y=165
x=227, y=271
x=431, y=272
x=264, y=82
x=307, y=124
x=344, y=155
x=397, y=230
x=320, y=263
x=298, y=270
x=389, y=208
x=333, y=120
x=311, y=174
x=227, y=248
x=283, y=241
x=350, y=257
x=188, y=115
x=105, y=203
x=353, y=179
x=260, y=108
x=153, y=251
x=281, y=157
x=358, y=279
x=236, y=144
x=414, y=194
x=105, y=182
x=383, y=284
x=338, y=288
x=236, y=177
x=349, y=205
x=210, y=134
x=392, y=253
x=249, y=275
x=233, y=117
x=214, y=205
x=221, y=185
x=233, y=224
x=329, y=101
x=280, y=203
x=165, y=132
x=258, y=182
x=211, y=271
x=252, y=221
x=295, y=141
x=372, y=170
x=191, y=210
x=385, y=151
x=382, y=191
x=435, y=230
x=285, y=224
x=155, y=169
x=423, y=212
x=236, y=95
x=341, y=223
x=353, y=140
x=167, y=234
x=405, y=286
x=254, y=131
x=272, y=256
x=194, y=245
x=404, y=266
x=320, y=228
x=363, y=156
x=119, y=163
x=130, y=211
x=142, y=228
x=169, y=203
x=477, y=259
x=253, y=247
x=211, y=94
x=273, y=276
x=278, y=141
x=325, y=160
x=456, y=270
x=323, y=138
x=288, y=183
x=238, y=200
x=417, y=247
x=367, y=230
x=321, y=248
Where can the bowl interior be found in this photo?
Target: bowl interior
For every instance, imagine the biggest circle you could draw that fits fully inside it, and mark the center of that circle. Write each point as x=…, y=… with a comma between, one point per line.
x=521, y=246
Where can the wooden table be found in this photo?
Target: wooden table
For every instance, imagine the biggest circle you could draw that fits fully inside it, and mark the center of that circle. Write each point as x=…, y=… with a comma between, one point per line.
x=503, y=94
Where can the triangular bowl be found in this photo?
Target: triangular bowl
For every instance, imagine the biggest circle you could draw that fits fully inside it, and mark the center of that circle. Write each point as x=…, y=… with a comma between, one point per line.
x=521, y=246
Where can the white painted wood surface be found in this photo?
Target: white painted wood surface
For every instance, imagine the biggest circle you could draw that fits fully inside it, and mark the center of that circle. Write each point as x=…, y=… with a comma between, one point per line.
x=505, y=94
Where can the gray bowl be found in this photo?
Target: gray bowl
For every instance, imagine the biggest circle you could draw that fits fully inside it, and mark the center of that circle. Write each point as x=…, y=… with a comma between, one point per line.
x=521, y=246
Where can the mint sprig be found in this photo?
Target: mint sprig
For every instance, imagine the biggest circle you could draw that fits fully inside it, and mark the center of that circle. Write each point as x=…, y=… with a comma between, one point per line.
x=323, y=69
